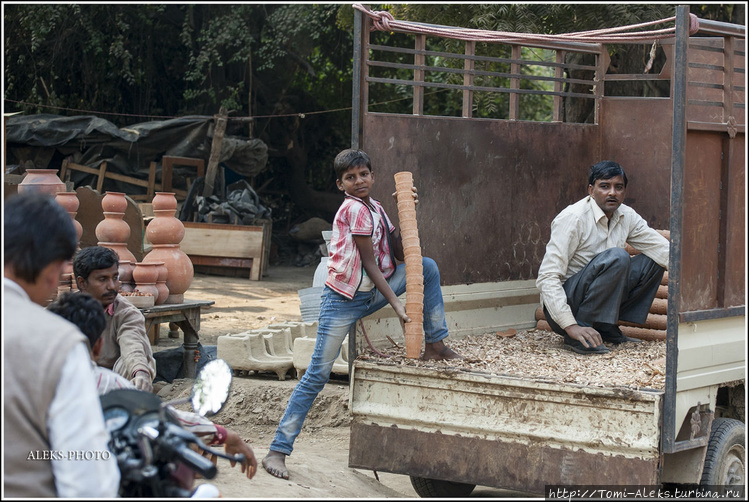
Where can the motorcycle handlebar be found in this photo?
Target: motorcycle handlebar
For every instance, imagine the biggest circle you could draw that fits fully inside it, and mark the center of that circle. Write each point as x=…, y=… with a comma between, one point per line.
x=196, y=461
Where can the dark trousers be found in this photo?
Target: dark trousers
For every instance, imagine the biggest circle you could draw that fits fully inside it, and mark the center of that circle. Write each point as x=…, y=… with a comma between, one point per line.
x=612, y=287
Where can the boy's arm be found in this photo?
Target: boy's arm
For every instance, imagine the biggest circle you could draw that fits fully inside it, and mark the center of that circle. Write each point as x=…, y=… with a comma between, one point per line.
x=366, y=251
x=397, y=244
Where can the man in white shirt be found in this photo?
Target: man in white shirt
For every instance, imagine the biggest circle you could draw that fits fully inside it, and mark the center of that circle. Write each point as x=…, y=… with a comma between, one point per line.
x=588, y=281
x=54, y=440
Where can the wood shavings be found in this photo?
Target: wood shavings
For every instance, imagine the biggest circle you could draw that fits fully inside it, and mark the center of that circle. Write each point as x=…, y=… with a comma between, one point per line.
x=539, y=355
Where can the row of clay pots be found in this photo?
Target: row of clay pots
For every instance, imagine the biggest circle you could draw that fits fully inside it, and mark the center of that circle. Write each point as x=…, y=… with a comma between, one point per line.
x=165, y=232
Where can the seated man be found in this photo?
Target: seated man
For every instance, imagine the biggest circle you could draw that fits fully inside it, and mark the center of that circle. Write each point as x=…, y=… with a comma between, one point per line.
x=87, y=313
x=126, y=349
x=588, y=281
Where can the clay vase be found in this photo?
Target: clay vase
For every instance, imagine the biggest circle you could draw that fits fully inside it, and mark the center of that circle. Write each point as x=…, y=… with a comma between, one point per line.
x=145, y=275
x=164, y=228
x=161, y=284
x=126, y=275
x=163, y=201
x=113, y=228
x=41, y=180
x=114, y=202
x=179, y=269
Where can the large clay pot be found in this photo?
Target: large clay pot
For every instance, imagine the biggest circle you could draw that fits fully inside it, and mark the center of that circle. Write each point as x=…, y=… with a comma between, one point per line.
x=41, y=180
x=164, y=228
x=114, y=202
x=180, y=269
x=161, y=283
x=113, y=228
x=163, y=201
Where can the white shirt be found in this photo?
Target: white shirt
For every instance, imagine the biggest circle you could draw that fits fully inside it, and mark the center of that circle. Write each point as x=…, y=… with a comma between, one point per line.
x=579, y=233
x=76, y=424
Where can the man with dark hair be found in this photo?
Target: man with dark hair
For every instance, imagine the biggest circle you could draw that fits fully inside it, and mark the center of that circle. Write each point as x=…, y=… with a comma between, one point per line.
x=126, y=349
x=588, y=281
x=54, y=442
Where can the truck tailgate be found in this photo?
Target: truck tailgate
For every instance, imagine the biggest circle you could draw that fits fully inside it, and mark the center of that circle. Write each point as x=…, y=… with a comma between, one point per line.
x=501, y=431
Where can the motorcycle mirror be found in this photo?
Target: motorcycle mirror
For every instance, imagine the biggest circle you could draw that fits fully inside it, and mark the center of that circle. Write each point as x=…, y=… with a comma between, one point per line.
x=211, y=388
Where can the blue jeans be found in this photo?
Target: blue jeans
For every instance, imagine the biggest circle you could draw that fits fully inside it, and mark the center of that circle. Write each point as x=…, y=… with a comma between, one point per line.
x=337, y=315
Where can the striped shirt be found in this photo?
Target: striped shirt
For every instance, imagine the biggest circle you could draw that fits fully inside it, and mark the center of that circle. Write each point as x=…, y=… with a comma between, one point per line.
x=579, y=233
x=345, y=268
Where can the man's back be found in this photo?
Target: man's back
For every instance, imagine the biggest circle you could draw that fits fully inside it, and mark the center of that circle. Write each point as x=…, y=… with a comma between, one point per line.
x=31, y=371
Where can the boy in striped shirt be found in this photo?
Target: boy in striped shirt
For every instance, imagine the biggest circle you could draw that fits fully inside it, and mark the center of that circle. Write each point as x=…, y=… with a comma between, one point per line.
x=362, y=278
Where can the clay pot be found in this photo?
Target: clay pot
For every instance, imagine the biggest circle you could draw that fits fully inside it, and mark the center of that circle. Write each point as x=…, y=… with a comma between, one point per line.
x=113, y=228
x=41, y=180
x=148, y=288
x=114, y=202
x=161, y=283
x=165, y=228
x=163, y=201
x=126, y=275
x=69, y=201
x=145, y=273
x=180, y=269
x=121, y=249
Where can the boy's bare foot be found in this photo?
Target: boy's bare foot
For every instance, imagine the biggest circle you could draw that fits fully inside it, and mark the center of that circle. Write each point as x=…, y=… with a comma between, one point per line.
x=439, y=351
x=275, y=463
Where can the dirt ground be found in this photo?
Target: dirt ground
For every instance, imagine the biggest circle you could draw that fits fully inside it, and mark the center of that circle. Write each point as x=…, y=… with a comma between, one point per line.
x=319, y=463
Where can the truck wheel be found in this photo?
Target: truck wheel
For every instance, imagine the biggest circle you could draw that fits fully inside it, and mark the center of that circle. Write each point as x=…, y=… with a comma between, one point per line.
x=427, y=488
x=725, y=458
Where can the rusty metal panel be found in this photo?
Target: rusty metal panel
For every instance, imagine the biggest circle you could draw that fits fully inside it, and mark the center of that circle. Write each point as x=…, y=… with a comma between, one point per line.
x=488, y=188
x=701, y=222
x=501, y=431
x=636, y=133
x=705, y=79
x=735, y=246
x=739, y=79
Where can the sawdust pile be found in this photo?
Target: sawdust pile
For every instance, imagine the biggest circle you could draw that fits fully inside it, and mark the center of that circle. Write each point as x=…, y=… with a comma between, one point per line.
x=539, y=355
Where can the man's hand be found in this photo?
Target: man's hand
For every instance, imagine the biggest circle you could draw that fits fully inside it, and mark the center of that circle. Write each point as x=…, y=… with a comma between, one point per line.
x=142, y=381
x=235, y=445
x=589, y=337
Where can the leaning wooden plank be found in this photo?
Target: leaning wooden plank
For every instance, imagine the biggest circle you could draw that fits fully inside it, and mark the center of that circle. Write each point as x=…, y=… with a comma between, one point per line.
x=229, y=241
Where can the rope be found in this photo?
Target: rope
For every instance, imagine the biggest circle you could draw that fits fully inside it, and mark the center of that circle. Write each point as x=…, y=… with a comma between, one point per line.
x=384, y=21
x=370, y=343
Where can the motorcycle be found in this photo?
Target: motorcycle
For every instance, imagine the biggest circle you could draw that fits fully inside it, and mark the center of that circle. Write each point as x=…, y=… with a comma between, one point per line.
x=153, y=450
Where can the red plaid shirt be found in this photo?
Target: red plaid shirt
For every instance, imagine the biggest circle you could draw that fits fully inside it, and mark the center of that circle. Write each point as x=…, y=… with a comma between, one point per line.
x=355, y=217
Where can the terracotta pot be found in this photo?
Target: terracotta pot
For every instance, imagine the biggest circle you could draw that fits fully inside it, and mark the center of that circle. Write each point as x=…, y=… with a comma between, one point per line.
x=180, y=269
x=148, y=288
x=163, y=201
x=41, y=180
x=69, y=201
x=121, y=249
x=145, y=273
x=126, y=287
x=113, y=228
x=126, y=271
x=165, y=228
x=114, y=202
x=161, y=283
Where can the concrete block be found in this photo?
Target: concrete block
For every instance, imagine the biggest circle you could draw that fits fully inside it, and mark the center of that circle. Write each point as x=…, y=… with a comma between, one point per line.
x=303, y=349
x=248, y=351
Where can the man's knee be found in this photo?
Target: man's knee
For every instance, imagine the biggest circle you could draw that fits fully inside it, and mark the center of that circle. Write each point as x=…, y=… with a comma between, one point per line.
x=615, y=259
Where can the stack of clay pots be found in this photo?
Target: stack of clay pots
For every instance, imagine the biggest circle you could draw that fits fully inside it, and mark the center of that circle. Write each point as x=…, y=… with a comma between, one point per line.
x=69, y=201
x=655, y=324
x=165, y=232
x=414, y=331
x=113, y=231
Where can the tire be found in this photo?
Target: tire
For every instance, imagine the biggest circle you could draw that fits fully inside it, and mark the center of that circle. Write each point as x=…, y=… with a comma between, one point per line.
x=726, y=457
x=429, y=488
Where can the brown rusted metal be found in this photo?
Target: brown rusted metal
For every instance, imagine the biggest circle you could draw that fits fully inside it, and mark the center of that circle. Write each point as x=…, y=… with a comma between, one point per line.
x=486, y=462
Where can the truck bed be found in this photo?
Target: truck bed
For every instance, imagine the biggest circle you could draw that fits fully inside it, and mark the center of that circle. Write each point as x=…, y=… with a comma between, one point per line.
x=518, y=412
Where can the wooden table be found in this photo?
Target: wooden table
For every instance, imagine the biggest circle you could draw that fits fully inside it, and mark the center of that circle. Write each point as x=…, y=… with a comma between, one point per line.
x=186, y=316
